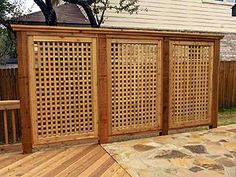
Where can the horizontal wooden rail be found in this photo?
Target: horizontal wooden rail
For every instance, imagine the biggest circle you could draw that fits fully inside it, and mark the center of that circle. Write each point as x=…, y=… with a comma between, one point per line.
x=9, y=106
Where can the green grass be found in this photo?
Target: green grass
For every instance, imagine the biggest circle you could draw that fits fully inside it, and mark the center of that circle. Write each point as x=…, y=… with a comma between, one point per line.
x=227, y=110
x=227, y=116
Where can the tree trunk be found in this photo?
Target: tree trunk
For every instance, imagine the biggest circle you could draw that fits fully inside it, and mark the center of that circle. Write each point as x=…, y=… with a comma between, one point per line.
x=48, y=12
x=89, y=12
x=86, y=5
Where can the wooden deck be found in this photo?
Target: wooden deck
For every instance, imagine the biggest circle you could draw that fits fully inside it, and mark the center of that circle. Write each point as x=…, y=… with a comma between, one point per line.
x=90, y=160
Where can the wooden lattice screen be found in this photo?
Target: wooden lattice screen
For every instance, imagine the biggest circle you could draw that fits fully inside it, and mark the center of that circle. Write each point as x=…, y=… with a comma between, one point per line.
x=190, y=83
x=79, y=83
x=135, y=83
x=63, y=88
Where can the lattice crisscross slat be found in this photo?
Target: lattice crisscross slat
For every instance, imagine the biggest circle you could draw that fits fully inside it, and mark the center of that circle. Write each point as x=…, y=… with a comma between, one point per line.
x=190, y=83
x=64, y=81
x=135, y=67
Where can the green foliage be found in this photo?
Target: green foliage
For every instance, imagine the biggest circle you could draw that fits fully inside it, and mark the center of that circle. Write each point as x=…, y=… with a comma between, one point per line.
x=227, y=110
x=7, y=46
x=5, y=8
x=227, y=116
x=11, y=10
x=8, y=10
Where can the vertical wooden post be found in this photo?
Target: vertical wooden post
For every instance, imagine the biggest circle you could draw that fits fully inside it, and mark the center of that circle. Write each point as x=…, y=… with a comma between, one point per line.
x=215, y=85
x=103, y=89
x=165, y=102
x=23, y=81
x=13, y=124
x=5, y=126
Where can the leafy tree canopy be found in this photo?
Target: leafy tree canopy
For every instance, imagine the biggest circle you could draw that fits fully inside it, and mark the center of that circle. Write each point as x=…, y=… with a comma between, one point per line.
x=8, y=10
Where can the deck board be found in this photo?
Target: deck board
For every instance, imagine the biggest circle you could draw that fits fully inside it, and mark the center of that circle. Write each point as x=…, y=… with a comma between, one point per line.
x=89, y=160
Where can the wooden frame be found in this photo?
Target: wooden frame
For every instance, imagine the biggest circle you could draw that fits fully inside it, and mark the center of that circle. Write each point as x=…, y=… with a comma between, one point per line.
x=103, y=90
x=101, y=86
x=215, y=85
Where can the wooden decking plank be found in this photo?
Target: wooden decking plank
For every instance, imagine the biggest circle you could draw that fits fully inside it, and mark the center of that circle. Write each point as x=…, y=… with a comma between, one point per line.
x=78, y=167
x=102, y=168
x=111, y=170
x=126, y=174
x=120, y=173
x=8, y=159
x=96, y=167
x=53, y=162
x=70, y=161
x=90, y=161
x=115, y=171
x=25, y=167
x=19, y=162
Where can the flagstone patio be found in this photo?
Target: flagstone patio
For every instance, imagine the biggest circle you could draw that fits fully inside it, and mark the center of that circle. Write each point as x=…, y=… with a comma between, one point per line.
x=208, y=153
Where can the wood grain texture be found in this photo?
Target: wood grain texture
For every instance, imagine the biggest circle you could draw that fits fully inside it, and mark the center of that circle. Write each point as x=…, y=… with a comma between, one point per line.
x=215, y=86
x=23, y=79
x=5, y=120
x=103, y=90
x=90, y=160
x=165, y=85
x=75, y=31
x=9, y=84
x=9, y=104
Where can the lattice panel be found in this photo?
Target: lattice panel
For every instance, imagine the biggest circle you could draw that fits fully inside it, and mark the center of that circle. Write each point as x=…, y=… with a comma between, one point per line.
x=64, y=93
x=135, y=67
x=190, y=83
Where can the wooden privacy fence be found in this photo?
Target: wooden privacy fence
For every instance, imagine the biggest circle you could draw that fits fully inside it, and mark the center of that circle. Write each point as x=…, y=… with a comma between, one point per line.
x=227, y=84
x=78, y=83
x=8, y=84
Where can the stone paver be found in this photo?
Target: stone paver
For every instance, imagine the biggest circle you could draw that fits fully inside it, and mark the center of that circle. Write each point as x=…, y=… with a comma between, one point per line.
x=195, y=154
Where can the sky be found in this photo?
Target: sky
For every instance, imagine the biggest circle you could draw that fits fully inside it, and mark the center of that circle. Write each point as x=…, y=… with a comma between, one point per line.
x=29, y=4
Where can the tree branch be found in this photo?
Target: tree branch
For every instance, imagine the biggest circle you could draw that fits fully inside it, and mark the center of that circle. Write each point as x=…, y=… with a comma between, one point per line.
x=103, y=13
x=6, y=24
